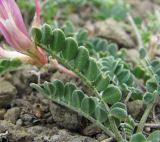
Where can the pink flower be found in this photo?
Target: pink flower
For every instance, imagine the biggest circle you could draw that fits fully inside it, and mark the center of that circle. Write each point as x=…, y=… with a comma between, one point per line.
x=13, y=29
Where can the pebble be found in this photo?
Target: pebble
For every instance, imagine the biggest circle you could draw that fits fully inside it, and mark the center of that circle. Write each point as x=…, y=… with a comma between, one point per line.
x=12, y=115
x=19, y=122
x=50, y=120
x=27, y=119
x=135, y=108
x=45, y=101
x=147, y=129
x=64, y=117
x=2, y=112
x=91, y=130
x=102, y=136
x=7, y=92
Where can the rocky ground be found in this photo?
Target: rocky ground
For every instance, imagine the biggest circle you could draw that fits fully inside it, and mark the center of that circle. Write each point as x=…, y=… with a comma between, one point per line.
x=27, y=116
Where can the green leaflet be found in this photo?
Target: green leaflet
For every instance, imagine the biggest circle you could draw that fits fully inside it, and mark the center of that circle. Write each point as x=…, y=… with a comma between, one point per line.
x=58, y=42
x=36, y=34
x=127, y=129
x=9, y=65
x=139, y=137
x=59, y=88
x=100, y=114
x=70, y=49
x=37, y=87
x=148, y=98
x=77, y=98
x=151, y=86
x=88, y=105
x=116, y=70
x=107, y=123
x=118, y=113
x=112, y=48
x=154, y=136
x=82, y=59
x=111, y=94
x=142, y=53
x=119, y=69
x=68, y=28
x=92, y=70
x=48, y=89
x=69, y=88
x=101, y=82
x=120, y=105
x=123, y=76
x=46, y=34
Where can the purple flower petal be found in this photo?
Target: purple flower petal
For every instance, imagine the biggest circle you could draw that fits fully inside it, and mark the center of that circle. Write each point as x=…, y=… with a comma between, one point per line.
x=10, y=54
x=14, y=36
x=9, y=7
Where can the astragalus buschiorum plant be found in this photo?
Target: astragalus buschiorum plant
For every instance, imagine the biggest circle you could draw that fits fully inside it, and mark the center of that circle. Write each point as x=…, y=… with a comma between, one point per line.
x=111, y=82
x=109, y=79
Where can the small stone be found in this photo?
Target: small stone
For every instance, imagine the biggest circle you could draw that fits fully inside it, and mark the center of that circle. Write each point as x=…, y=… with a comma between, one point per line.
x=139, y=6
x=2, y=112
x=75, y=19
x=133, y=55
x=111, y=29
x=19, y=122
x=7, y=92
x=50, y=120
x=91, y=130
x=45, y=109
x=27, y=119
x=147, y=129
x=45, y=101
x=12, y=115
x=135, y=108
x=101, y=137
x=65, y=117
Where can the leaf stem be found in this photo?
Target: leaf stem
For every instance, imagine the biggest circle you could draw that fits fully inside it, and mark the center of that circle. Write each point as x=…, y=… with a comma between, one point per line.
x=114, y=128
x=80, y=75
x=113, y=125
x=148, y=67
x=150, y=106
x=145, y=115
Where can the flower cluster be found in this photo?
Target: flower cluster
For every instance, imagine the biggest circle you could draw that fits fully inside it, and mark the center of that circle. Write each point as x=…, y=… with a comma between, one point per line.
x=13, y=29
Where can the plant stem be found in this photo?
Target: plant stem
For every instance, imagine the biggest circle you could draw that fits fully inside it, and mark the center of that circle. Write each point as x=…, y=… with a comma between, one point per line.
x=150, y=106
x=148, y=67
x=145, y=115
x=113, y=125
x=80, y=75
x=114, y=128
x=138, y=35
